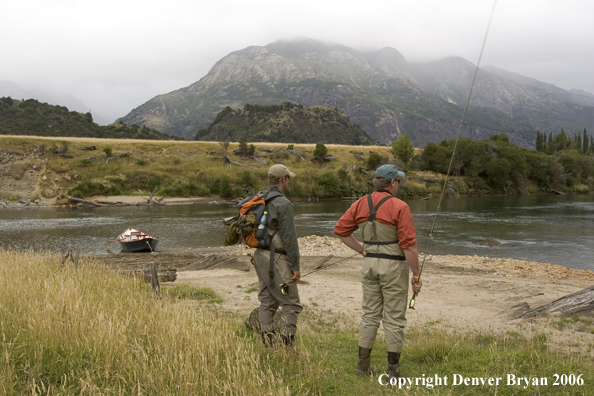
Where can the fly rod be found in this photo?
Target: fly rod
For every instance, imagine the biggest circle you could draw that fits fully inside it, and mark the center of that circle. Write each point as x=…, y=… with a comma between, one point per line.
x=412, y=300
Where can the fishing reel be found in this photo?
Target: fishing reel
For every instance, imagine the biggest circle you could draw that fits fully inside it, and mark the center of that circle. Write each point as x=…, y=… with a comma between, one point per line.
x=285, y=289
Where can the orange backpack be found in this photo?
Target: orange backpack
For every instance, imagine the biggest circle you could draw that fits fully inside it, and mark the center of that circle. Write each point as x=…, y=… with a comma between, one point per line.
x=251, y=210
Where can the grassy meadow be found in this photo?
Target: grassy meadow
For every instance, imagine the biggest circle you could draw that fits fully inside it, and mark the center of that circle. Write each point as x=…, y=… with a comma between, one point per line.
x=85, y=330
x=191, y=169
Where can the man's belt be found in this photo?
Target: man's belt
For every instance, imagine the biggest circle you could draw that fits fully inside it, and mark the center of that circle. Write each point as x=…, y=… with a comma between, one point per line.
x=385, y=256
x=380, y=243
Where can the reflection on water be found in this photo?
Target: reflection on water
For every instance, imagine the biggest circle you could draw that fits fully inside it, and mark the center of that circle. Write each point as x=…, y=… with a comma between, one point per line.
x=551, y=229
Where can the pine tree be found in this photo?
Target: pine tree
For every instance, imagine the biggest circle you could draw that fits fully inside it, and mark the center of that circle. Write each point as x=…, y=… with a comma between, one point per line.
x=551, y=144
x=578, y=141
x=585, y=143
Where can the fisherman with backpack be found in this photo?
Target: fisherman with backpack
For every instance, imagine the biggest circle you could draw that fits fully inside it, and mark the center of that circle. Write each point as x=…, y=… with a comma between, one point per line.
x=276, y=259
x=389, y=242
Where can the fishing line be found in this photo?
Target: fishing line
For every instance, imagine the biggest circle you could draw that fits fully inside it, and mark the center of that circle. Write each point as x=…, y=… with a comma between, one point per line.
x=412, y=301
x=286, y=289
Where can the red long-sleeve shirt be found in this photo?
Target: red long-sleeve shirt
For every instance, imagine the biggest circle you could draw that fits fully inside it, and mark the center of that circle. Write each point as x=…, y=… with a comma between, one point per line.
x=393, y=212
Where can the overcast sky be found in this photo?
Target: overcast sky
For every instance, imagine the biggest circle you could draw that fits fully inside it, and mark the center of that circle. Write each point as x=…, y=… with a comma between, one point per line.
x=114, y=55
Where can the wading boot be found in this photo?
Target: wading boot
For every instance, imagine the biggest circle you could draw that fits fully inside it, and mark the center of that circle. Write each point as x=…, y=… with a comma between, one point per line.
x=394, y=365
x=268, y=339
x=363, y=364
x=288, y=340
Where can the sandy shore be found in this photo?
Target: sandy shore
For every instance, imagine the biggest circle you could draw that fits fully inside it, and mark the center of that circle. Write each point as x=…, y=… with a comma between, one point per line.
x=462, y=293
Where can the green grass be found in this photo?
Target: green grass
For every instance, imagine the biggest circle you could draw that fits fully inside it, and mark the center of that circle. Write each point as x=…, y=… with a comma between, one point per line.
x=192, y=293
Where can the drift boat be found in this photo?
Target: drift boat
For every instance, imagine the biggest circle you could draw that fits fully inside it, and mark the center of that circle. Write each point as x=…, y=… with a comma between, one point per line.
x=133, y=240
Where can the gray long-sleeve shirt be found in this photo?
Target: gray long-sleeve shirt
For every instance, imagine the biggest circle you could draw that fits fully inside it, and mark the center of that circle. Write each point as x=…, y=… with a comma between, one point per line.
x=281, y=217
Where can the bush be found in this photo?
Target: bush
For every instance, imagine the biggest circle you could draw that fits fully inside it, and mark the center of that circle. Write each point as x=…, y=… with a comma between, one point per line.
x=343, y=175
x=330, y=183
x=320, y=152
x=375, y=160
x=248, y=184
x=225, y=190
x=245, y=150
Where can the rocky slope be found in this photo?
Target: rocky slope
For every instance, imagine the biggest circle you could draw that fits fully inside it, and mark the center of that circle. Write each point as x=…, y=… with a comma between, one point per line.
x=378, y=90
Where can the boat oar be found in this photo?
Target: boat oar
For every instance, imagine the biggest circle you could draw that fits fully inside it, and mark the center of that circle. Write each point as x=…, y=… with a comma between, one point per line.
x=115, y=240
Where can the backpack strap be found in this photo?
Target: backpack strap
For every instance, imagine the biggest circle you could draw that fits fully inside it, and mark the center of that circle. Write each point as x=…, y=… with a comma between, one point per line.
x=267, y=199
x=271, y=269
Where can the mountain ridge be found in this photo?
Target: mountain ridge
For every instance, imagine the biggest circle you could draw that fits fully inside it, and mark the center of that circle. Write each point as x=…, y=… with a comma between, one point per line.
x=378, y=90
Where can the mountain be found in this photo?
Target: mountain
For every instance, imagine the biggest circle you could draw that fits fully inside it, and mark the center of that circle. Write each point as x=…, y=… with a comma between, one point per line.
x=30, y=117
x=378, y=90
x=288, y=123
x=576, y=96
x=15, y=91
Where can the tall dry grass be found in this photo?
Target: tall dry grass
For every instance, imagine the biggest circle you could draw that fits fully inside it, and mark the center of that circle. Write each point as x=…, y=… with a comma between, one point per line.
x=84, y=330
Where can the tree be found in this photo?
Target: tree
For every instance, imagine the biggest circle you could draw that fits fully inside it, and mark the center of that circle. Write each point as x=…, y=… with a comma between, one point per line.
x=403, y=148
x=320, y=152
x=498, y=172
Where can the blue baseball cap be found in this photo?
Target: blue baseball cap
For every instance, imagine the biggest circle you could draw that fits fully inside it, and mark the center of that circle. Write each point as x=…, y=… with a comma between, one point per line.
x=388, y=172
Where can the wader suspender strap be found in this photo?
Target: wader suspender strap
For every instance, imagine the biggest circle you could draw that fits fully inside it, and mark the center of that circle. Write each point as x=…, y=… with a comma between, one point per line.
x=373, y=219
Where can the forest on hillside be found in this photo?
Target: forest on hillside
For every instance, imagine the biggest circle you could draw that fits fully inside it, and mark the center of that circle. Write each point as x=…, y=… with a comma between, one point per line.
x=287, y=123
x=31, y=117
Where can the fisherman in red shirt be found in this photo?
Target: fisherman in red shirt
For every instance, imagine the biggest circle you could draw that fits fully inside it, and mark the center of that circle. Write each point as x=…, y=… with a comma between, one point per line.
x=389, y=242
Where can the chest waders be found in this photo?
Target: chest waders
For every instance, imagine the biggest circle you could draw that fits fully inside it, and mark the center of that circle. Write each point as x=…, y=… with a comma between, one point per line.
x=266, y=240
x=373, y=220
x=273, y=250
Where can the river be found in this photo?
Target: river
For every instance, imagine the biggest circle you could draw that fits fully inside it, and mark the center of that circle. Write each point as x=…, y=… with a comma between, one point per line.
x=549, y=229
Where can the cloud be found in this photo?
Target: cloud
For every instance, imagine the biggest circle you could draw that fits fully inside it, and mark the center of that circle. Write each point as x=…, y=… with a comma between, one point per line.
x=116, y=55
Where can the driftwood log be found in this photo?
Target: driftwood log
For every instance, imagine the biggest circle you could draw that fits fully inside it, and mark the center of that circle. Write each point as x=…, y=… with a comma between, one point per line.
x=148, y=201
x=228, y=160
x=425, y=179
x=118, y=155
x=163, y=274
x=61, y=152
x=579, y=302
x=84, y=201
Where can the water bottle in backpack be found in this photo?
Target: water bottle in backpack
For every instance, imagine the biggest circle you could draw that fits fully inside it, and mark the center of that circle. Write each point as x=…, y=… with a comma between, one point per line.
x=262, y=224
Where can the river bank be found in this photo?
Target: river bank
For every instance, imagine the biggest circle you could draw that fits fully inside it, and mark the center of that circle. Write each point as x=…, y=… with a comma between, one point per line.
x=460, y=293
x=46, y=171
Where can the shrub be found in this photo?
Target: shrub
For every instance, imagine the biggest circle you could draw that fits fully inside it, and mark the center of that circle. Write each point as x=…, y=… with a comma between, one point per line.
x=330, y=183
x=320, y=152
x=343, y=175
x=248, y=183
x=225, y=190
x=375, y=160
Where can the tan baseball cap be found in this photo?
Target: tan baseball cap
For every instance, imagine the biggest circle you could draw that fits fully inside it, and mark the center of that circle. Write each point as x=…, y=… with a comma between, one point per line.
x=279, y=170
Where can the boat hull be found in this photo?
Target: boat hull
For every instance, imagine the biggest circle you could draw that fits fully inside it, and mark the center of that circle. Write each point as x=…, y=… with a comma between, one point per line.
x=143, y=245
